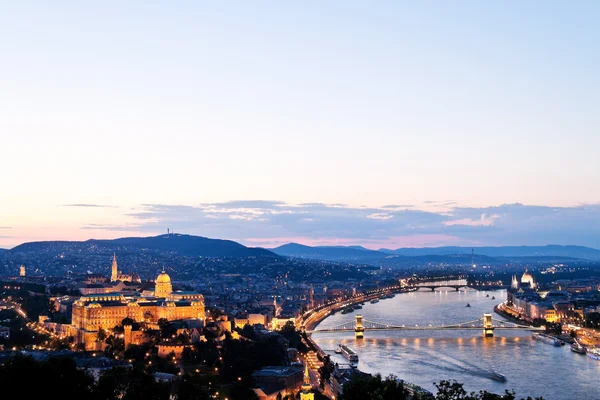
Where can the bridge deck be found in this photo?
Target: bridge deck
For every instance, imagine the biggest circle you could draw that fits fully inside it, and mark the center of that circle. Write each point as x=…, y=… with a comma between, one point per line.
x=459, y=328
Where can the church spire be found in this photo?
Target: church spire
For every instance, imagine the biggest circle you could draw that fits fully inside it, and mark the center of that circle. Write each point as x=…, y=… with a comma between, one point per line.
x=306, y=386
x=114, y=269
x=306, y=376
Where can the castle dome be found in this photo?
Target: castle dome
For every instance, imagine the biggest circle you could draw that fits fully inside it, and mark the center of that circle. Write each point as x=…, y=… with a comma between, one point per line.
x=163, y=278
x=163, y=287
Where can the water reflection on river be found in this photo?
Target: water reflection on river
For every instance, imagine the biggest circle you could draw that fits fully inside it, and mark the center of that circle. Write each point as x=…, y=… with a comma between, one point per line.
x=532, y=368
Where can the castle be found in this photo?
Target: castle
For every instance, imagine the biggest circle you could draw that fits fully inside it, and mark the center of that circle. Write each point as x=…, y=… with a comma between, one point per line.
x=93, y=312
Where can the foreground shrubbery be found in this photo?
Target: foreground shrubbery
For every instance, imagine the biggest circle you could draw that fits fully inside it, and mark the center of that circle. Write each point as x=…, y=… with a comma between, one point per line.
x=390, y=388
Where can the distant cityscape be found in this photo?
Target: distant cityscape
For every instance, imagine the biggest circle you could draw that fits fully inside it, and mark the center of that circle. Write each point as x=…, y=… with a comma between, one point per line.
x=98, y=303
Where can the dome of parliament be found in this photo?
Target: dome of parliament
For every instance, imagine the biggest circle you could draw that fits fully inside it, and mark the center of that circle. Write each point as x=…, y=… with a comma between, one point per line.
x=527, y=277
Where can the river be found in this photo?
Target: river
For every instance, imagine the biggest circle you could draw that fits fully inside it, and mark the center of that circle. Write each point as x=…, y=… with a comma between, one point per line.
x=532, y=368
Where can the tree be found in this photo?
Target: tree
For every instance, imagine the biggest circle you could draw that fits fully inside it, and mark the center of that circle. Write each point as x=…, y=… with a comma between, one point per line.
x=592, y=320
x=367, y=387
x=101, y=336
x=57, y=372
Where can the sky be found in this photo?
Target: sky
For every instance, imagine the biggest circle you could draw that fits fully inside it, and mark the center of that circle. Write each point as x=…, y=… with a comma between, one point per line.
x=385, y=124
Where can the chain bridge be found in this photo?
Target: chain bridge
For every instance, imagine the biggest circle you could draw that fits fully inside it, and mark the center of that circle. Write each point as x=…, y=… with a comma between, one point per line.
x=487, y=324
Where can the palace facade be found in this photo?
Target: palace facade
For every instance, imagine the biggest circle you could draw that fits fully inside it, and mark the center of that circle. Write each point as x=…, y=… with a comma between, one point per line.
x=93, y=312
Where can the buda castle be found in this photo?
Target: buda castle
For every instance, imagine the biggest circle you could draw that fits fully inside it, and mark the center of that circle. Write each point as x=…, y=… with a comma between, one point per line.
x=91, y=312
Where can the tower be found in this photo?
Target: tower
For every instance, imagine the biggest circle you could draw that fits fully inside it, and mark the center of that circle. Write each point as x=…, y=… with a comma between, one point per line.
x=274, y=306
x=22, y=270
x=515, y=283
x=127, y=334
x=311, y=296
x=359, y=329
x=488, y=328
x=114, y=276
x=305, y=394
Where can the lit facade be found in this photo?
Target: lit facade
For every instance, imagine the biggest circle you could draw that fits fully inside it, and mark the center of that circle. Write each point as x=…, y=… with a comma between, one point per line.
x=107, y=310
x=163, y=287
x=306, y=394
x=116, y=276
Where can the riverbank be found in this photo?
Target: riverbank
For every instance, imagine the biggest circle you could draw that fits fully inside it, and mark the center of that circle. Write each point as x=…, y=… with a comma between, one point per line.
x=498, y=310
x=312, y=318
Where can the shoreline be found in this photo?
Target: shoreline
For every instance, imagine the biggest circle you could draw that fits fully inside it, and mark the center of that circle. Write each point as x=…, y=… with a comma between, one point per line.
x=311, y=321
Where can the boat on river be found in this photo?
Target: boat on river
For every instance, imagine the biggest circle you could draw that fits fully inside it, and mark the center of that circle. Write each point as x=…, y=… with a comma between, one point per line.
x=498, y=377
x=578, y=348
x=468, y=305
x=348, y=353
x=594, y=353
x=374, y=301
x=542, y=337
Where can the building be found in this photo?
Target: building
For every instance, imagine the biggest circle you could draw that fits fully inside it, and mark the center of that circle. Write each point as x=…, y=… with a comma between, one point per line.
x=527, y=280
x=274, y=380
x=163, y=286
x=306, y=393
x=22, y=271
x=93, y=312
x=166, y=349
x=116, y=276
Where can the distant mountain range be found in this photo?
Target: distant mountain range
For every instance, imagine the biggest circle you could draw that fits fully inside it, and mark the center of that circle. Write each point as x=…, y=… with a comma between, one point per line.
x=185, y=245
x=2, y=251
x=436, y=254
x=331, y=253
x=551, y=250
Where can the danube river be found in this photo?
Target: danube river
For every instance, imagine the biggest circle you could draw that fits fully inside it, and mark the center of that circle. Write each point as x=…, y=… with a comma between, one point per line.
x=532, y=368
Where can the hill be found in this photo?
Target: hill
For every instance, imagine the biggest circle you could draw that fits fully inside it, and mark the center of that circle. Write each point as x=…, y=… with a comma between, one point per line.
x=185, y=245
x=581, y=252
x=330, y=253
x=449, y=254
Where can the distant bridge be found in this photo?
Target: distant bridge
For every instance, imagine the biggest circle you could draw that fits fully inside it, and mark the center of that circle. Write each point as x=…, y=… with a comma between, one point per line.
x=450, y=284
x=487, y=324
x=432, y=287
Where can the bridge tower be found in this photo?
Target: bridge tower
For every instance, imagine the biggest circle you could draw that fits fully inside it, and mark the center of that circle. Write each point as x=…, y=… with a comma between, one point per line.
x=488, y=328
x=359, y=329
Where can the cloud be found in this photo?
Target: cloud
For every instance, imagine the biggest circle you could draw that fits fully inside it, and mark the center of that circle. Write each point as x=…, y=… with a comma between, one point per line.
x=484, y=220
x=255, y=220
x=89, y=205
x=5, y=227
x=116, y=228
x=382, y=216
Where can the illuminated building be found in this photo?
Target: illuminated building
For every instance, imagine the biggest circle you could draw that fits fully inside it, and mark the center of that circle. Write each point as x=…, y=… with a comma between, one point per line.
x=22, y=270
x=515, y=283
x=527, y=279
x=107, y=310
x=163, y=287
x=306, y=394
x=116, y=276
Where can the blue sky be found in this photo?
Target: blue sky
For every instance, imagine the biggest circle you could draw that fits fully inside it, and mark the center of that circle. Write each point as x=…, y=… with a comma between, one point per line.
x=483, y=105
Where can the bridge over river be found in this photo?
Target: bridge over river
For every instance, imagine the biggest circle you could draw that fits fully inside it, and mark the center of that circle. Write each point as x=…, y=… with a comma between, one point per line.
x=487, y=325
